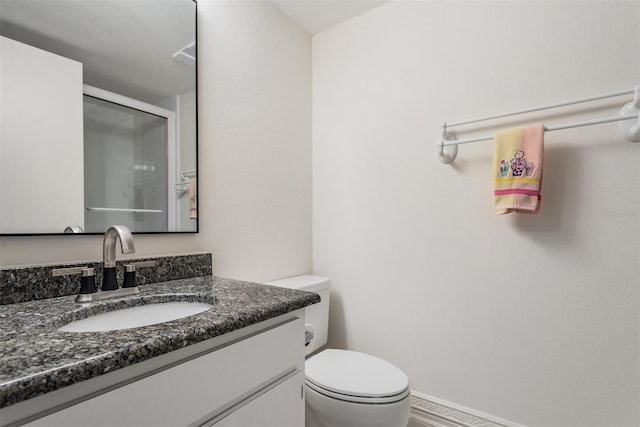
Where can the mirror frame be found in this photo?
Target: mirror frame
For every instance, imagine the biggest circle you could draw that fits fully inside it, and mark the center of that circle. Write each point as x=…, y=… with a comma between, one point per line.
x=195, y=17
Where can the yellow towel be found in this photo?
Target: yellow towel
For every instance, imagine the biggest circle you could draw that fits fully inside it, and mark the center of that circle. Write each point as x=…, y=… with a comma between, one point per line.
x=517, y=164
x=193, y=198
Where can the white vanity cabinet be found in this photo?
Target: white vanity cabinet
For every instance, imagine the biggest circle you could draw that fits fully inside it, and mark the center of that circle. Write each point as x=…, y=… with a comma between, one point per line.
x=256, y=379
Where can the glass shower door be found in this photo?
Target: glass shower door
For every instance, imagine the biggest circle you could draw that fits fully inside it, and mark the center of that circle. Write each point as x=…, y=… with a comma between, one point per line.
x=125, y=167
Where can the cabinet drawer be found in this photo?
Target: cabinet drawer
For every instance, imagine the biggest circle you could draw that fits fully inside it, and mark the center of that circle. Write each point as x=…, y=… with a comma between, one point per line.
x=195, y=390
x=274, y=408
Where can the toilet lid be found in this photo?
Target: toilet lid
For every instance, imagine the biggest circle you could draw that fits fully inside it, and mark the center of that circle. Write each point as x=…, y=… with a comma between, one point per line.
x=355, y=374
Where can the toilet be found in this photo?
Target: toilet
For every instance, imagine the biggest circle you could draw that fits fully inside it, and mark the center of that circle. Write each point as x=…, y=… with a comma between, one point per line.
x=346, y=388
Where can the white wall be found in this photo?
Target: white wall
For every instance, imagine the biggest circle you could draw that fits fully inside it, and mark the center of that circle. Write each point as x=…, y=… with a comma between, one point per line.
x=254, y=152
x=257, y=137
x=533, y=319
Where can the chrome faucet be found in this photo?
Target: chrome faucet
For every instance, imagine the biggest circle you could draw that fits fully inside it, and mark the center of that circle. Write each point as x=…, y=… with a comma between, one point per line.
x=110, y=289
x=109, y=245
x=111, y=236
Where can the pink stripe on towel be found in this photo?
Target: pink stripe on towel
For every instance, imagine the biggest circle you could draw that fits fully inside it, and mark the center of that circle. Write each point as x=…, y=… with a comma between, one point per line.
x=515, y=191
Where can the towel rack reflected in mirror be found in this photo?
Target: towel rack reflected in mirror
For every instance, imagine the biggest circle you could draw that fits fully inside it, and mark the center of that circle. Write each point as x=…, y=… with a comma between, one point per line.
x=183, y=186
x=448, y=145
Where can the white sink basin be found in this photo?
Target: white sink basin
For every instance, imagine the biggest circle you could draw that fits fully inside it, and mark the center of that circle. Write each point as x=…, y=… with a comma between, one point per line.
x=135, y=317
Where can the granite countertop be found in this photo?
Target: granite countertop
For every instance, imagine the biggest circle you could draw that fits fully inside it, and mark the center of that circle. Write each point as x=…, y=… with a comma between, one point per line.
x=35, y=358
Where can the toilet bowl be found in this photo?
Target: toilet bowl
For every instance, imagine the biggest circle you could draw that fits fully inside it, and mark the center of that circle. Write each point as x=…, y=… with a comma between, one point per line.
x=346, y=388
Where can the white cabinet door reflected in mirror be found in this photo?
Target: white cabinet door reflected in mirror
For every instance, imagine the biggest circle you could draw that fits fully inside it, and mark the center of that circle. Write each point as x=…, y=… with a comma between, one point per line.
x=41, y=140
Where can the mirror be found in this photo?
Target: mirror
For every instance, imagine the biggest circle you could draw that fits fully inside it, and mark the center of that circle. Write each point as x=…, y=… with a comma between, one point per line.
x=98, y=118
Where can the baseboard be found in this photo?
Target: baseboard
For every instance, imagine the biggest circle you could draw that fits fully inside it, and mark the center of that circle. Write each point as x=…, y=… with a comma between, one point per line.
x=428, y=411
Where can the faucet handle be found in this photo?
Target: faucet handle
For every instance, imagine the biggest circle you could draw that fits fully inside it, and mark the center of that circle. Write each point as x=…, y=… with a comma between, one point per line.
x=129, y=276
x=70, y=271
x=88, y=281
x=87, y=277
x=130, y=272
x=144, y=264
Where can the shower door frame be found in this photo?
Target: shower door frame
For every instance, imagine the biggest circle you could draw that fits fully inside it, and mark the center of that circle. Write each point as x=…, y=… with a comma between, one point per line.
x=173, y=158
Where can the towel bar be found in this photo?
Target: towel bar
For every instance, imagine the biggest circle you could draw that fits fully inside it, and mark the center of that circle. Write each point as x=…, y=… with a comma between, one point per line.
x=630, y=130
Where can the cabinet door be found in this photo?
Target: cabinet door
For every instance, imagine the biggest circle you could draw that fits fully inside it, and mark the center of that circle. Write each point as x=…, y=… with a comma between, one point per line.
x=282, y=406
x=41, y=140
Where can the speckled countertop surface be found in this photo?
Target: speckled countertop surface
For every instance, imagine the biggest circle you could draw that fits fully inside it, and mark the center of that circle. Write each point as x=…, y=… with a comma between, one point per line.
x=35, y=358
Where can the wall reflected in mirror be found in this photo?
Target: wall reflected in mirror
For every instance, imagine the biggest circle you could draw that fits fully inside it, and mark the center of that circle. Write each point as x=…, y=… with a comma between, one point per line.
x=98, y=116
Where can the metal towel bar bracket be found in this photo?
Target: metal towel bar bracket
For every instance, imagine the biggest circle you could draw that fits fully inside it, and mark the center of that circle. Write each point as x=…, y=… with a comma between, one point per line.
x=447, y=155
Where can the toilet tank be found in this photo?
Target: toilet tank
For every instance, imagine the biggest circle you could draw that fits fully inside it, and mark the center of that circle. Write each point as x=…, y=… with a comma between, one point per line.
x=316, y=315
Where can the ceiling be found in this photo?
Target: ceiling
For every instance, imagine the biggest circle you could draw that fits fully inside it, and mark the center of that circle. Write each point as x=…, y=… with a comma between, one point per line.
x=318, y=15
x=125, y=47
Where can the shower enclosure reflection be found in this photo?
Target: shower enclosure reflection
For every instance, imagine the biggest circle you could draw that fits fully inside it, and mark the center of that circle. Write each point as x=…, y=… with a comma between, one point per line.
x=125, y=167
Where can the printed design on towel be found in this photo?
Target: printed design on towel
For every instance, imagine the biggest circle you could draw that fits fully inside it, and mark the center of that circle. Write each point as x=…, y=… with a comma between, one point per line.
x=518, y=165
x=517, y=170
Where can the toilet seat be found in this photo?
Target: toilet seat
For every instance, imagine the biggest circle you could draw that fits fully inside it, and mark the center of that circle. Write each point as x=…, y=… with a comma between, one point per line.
x=355, y=377
x=358, y=399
